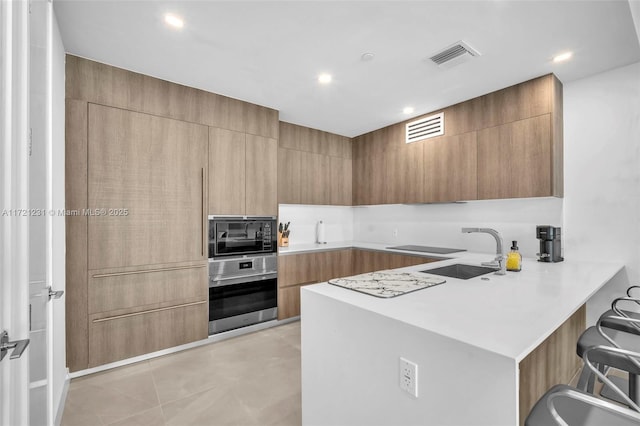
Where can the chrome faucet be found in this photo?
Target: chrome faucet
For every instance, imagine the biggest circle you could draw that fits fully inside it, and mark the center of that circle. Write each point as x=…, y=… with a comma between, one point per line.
x=499, y=261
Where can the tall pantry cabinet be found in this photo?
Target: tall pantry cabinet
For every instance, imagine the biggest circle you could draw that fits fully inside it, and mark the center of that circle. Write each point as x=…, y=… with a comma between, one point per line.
x=138, y=166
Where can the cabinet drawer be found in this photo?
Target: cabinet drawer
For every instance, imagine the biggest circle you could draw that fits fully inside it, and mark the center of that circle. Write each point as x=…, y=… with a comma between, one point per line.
x=125, y=336
x=129, y=289
x=295, y=269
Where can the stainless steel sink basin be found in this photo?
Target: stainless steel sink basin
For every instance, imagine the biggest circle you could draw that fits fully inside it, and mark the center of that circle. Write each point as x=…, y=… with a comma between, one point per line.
x=460, y=271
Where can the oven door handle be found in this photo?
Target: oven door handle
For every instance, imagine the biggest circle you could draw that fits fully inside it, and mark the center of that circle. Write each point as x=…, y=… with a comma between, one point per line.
x=243, y=279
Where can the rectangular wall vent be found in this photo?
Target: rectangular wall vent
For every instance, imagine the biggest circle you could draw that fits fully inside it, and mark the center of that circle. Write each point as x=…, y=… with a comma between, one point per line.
x=424, y=128
x=455, y=54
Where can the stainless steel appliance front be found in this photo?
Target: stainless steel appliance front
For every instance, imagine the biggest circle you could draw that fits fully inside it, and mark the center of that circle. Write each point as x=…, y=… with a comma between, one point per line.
x=241, y=235
x=242, y=291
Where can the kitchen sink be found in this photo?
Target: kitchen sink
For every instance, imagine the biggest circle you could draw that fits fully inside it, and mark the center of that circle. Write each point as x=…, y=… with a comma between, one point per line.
x=460, y=271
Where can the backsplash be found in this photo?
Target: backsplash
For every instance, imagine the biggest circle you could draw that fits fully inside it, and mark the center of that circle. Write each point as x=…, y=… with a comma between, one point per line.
x=440, y=224
x=428, y=224
x=338, y=222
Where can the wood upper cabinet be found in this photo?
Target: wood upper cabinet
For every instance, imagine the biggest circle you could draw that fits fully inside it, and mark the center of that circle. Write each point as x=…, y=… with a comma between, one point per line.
x=506, y=144
x=155, y=168
x=514, y=159
x=450, y=168
x=243, y=173
x=226, y=171
x=340, y=181
x=314, y=167
x=261, y=176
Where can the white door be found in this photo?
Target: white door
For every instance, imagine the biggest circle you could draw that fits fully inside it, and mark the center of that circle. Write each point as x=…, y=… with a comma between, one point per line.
x=40, y=213
x=14, y=221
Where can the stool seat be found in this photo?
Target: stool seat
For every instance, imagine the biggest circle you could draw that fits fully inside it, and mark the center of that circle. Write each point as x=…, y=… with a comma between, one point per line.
x=629, y=341
x=588, y=412
x=621, y=325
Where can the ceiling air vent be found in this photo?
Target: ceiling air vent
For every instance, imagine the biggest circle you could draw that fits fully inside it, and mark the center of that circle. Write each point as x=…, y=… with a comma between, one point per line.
x=454, y=55
x=424, y=128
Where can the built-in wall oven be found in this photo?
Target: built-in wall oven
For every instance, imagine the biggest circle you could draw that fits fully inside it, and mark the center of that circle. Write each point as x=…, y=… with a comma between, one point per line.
x=243, y=271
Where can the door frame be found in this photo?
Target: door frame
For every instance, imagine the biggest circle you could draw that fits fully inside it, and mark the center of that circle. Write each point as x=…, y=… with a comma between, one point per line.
x=14, y=228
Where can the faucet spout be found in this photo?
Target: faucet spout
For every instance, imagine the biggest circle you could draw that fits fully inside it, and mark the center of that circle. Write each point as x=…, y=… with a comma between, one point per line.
x=499, y=246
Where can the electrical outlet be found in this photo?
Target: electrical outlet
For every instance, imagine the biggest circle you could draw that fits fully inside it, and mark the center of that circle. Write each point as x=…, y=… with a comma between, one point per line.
x=409, y=377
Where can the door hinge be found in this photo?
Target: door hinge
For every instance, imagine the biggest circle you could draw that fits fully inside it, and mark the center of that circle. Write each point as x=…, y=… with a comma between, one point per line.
x=30, y=140
x=18, y=346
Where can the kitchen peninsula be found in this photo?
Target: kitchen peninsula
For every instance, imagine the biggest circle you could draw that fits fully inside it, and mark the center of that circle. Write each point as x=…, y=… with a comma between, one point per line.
x=485, y=349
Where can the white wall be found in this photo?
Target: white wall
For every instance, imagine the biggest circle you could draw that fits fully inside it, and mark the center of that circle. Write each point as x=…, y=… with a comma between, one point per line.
x=338, y=222
x=602, y=175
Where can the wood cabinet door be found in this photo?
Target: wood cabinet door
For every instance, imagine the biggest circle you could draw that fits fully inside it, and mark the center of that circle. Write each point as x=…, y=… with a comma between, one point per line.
x=226, y=171
x=403, y=174
x=514, y=159
x=335, y=264
x=155, y=168
x=289, y=302
x=450, y=168
x=261, y=176
x=368, y=176
x=340, y=181
x=289, y=176
x=296, y=269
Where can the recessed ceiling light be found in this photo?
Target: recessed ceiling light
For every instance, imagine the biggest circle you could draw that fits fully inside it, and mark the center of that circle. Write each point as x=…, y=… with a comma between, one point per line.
x=173, y=20
x=563, y=57
x=367, y=56
x=324, y=78
x=408, y=110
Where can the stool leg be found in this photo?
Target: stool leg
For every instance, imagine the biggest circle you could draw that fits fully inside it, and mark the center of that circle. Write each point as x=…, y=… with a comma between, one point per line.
x=583, y=381
x=634, y=387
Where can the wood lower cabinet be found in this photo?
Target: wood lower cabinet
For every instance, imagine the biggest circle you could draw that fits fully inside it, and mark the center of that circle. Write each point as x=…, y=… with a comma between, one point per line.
x=227, y=153
x=372, y=260
x=298, y=270
x=514, y=159
x=450, y=168
x=124, y=336
x=553, y=362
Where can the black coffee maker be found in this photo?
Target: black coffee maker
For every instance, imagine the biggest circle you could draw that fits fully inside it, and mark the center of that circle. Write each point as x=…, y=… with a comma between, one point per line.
x=550, y=243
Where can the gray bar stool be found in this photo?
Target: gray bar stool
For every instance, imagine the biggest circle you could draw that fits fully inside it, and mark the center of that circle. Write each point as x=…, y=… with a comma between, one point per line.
x=624, y=334
x=564, y=405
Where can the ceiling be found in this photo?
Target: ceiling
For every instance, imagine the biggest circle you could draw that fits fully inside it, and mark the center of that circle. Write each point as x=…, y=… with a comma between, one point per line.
x=271, y=52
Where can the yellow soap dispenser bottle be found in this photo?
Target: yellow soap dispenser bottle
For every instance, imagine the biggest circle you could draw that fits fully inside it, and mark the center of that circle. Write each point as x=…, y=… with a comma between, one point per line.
x=514, y=258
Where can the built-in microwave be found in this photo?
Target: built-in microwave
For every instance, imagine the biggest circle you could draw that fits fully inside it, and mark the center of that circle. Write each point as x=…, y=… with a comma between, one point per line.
x=242, y=235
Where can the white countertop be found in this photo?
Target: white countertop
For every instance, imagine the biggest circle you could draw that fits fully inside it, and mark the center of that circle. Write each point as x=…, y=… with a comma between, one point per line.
x=337, y=245
x=509, y=315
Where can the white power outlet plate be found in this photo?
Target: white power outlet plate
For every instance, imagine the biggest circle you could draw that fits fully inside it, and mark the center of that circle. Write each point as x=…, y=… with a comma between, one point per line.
x=409, y=377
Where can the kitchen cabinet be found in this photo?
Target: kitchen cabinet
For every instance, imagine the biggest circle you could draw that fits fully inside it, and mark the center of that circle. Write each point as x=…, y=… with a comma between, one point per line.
x=450, y=168
x=314, y=167
x=340, y=181
x=372, y=260
x=139, y=151
x=261, y=176
x=514, y=159
x=476, y=157
x=298, y=270
x=146, y=187
x=128, y=335
x=227, y=183
x=243, y=174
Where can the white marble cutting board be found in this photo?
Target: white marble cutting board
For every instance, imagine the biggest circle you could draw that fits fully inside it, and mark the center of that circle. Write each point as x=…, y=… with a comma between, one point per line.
x=387, y=284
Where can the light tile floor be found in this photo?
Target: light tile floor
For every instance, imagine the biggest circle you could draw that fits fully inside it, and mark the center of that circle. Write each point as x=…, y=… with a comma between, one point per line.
x=248, y=380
